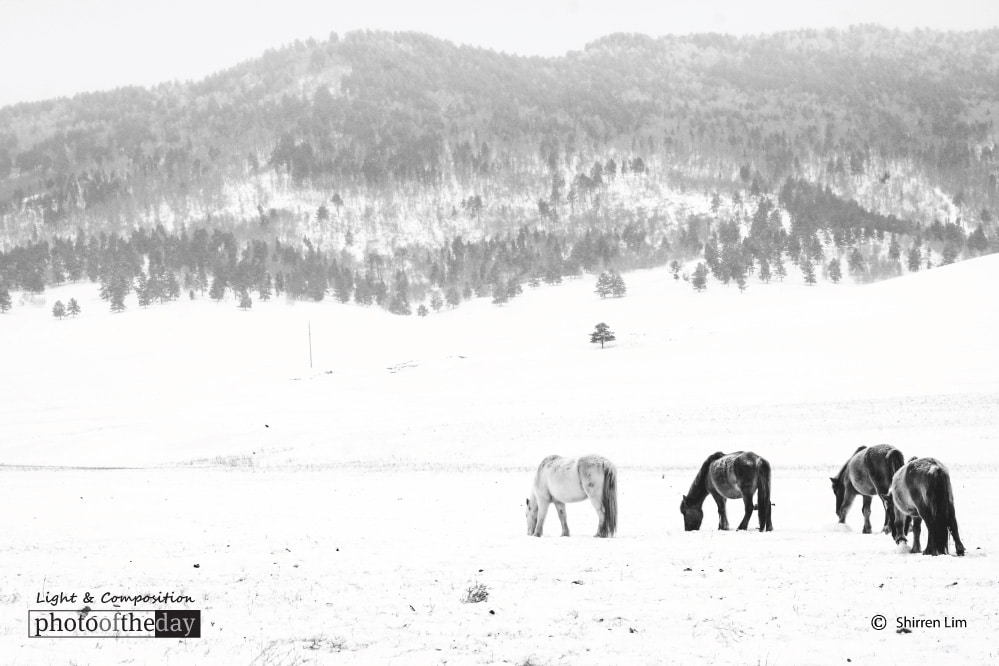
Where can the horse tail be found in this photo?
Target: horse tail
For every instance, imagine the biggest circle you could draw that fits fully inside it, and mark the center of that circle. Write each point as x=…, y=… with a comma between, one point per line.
x=763, y=497
x=895, y=462
x=609, y=498
x=940, y=508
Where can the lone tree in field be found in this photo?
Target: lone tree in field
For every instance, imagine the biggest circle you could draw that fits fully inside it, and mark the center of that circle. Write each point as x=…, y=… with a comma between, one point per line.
x=59, y=310
x=73, y=308
x=602, y=334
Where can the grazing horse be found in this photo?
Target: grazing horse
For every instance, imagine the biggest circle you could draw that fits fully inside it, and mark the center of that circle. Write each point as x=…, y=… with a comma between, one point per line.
x=868, y=472
x=731, y=476
x=560, y=480
x=921, y=492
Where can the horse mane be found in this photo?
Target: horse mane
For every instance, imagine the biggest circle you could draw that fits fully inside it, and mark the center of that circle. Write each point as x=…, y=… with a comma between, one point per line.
x=842, y=472
x=699, y=488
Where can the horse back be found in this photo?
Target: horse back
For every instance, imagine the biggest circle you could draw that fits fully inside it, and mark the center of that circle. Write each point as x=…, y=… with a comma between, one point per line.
x=559, y=479
x=871, y=469
x=731, y=473
x=915, y=484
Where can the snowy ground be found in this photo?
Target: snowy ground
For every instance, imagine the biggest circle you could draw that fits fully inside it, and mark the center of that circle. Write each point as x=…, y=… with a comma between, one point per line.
x=337, y=514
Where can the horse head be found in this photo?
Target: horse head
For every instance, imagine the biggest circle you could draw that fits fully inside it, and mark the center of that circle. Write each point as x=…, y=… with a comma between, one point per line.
x=839, y=490
x=531, y=513
x=692, y=515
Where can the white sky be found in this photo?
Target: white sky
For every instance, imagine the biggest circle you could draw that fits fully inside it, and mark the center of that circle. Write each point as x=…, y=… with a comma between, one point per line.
x=50, y=48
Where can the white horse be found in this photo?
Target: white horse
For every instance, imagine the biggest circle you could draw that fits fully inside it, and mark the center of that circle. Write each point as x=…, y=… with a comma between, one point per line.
x=560, y=480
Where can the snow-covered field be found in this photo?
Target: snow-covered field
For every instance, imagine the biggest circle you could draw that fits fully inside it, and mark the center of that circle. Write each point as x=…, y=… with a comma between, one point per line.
x=339, y=513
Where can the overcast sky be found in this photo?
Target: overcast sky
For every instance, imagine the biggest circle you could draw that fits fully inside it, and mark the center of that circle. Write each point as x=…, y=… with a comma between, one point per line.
x=50, y=48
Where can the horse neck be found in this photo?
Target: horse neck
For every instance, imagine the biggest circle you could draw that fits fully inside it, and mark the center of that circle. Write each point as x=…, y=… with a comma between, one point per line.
x=843, y=478
x=699, y=488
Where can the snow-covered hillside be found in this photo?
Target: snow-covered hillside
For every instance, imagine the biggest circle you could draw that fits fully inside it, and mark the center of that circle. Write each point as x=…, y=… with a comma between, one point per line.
x=821, y=367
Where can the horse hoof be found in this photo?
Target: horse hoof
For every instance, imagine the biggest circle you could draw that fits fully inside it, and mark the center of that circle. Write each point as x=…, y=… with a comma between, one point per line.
x=960, y=552
x=867, y=530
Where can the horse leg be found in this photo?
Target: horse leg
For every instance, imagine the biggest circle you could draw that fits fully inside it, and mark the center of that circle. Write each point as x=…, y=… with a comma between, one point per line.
x=899, y=522
x=542, y=512
x=866, y=510
x=917, y=524
x=953, y=532
x=747, y=500
x=722, y=517
x=560, y=508
x=886, y=501
x=598, y=506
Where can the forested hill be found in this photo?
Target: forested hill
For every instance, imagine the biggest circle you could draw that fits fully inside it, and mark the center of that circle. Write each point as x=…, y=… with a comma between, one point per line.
x=375, y=141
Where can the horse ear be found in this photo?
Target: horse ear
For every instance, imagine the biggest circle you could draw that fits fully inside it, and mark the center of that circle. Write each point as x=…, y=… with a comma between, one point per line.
x=833, y=479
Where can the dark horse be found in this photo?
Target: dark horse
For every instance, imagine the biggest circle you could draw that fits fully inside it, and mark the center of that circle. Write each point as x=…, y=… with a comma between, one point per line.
x=868, y=472
x=731, y=476
x=921, y=492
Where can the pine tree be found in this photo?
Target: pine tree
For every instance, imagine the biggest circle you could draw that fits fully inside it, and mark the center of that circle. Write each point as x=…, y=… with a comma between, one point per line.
x=700, y=278
x=436, y=300
x=835, y=272
x=264, y=291
x=602, y=334
x=5, y=302
x=765, y=274
x=217, y=291
x=808, y=271
x=73, y=308
x=58, y=310
x=118, y=301
x=513, y=289
x=740, y=280
x=453, y=296
x=618, y=288
x=422, y=310
x=894, y=251
x=172, y=287
x=400, y=295
x=604, y=285
x=856, y=263
x=245, y=303
x=779, y=270
x=915, y=259
x=501, y=292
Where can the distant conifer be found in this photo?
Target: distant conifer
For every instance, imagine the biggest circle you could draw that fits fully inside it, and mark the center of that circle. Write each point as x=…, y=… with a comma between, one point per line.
x=602, y=334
